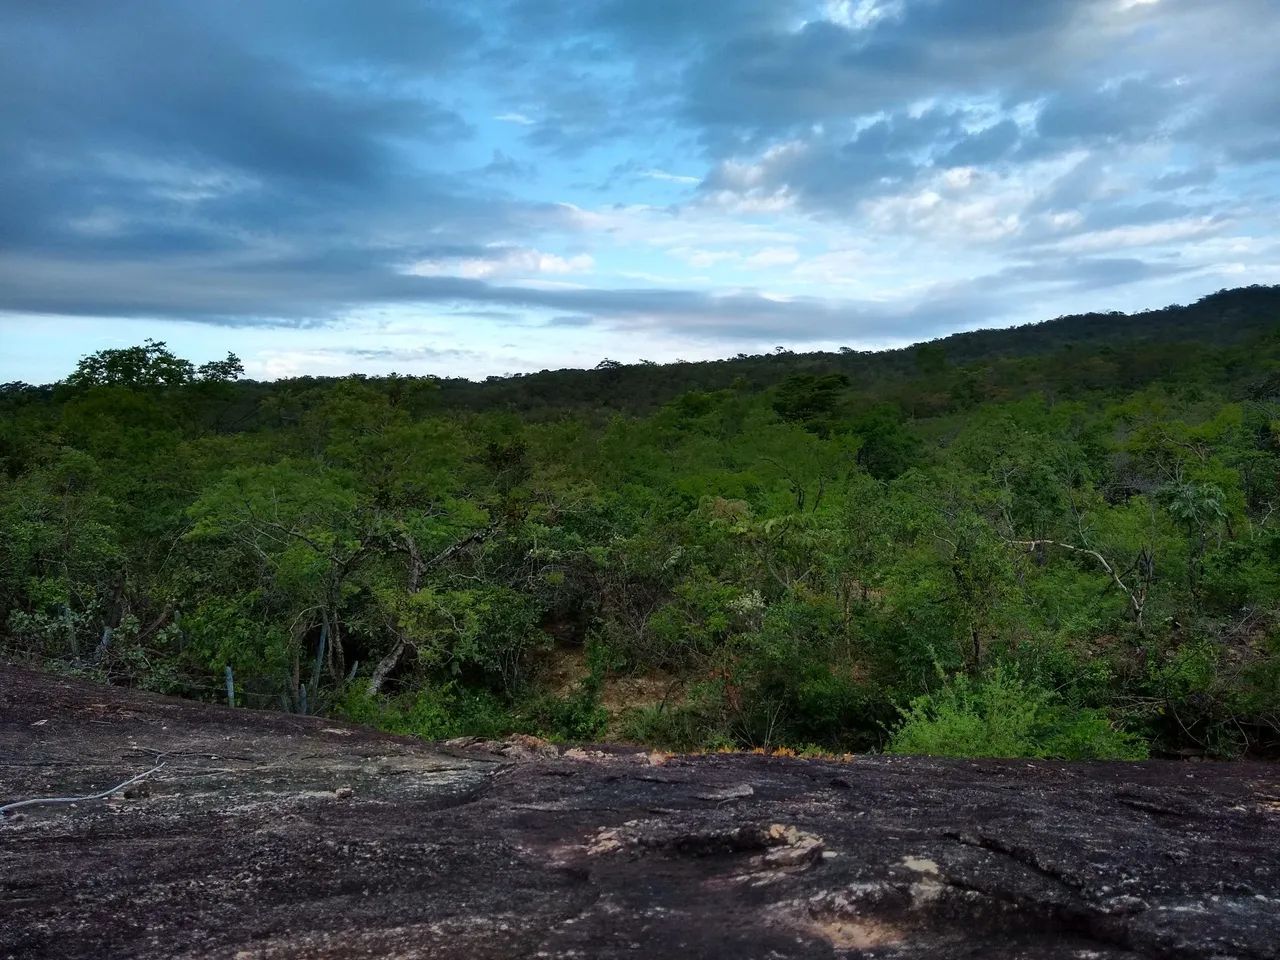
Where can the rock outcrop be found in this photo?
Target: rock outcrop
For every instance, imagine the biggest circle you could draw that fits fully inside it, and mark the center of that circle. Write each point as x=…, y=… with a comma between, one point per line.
x=272, y=836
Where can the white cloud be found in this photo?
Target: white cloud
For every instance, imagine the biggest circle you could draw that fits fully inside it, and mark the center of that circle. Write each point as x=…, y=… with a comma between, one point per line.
x=753, y=201
x=505, y=262
x=860, y=14
x=772, y=257
x=835, y=268
x=704, y=258
x=985, y=217
x=671, y=177
x=1141, y=235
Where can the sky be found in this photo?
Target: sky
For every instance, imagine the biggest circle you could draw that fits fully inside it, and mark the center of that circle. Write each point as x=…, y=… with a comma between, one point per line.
x=501, y=186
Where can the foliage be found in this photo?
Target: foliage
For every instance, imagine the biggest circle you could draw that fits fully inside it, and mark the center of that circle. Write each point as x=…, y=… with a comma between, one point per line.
x=999, y=714
x=435, y=712
x=150, y=365
x=1076, y=523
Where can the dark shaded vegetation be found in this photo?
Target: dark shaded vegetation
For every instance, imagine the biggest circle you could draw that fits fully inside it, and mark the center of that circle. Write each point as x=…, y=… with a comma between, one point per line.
x=1057, y=540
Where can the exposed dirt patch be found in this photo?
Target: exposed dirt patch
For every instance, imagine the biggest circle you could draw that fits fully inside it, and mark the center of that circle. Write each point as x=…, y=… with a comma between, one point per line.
x=270, y=836
x=564, y=668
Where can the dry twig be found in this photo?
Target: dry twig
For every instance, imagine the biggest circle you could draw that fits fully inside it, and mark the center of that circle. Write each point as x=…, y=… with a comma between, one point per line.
x=4, y=810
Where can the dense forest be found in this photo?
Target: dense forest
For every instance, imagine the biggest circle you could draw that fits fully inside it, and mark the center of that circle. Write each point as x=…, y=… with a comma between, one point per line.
x=1059, y=540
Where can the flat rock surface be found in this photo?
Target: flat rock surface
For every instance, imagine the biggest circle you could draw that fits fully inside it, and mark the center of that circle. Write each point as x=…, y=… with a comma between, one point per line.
x=269, y=836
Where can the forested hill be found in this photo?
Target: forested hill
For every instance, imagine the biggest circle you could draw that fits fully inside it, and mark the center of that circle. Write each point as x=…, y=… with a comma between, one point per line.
x=1075, y=353
x=1220, y=319
x=1061, y=540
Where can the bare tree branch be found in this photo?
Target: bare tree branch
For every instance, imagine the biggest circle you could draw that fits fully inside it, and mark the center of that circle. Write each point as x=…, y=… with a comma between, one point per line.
x=1137, y=599
x=42, y=801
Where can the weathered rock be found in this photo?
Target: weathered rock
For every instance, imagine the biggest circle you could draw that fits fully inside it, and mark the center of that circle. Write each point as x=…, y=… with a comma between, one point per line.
x=267, y=835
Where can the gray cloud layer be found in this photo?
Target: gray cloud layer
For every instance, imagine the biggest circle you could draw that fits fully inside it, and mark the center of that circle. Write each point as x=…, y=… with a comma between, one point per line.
x=273, y=162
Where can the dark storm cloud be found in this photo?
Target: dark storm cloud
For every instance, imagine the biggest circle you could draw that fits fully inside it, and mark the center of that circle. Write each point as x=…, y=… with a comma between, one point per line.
x=429, y=36
x=169, y=129
x=152, y=78
x=1085, y=273
x=657, y=23
x=984, y=146
x=1131, y=109
x=772, y=80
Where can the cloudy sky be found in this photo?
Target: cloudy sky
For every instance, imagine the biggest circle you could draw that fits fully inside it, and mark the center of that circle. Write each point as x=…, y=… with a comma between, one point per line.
x=496, y=186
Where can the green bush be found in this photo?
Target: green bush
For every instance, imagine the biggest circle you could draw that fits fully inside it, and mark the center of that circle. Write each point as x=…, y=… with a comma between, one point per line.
x=1214, y=698
x=1002, y=715
x=433, y=712
x=578, y=716
x=698, y=724
x=797, y=682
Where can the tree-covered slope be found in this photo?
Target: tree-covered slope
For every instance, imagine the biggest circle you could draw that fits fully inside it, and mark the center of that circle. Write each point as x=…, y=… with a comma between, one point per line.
x=1223, y=318
x=1058, y=541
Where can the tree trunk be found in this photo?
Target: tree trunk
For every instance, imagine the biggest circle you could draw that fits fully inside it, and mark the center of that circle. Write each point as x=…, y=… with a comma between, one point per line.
x=384, y=668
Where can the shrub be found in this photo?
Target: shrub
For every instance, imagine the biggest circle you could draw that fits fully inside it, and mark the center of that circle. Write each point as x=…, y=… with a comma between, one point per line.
x=433, y=712
x=1213, y=697
x=1002, y=715
x=578, y=716
x=797, y=681
x=681, y=727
